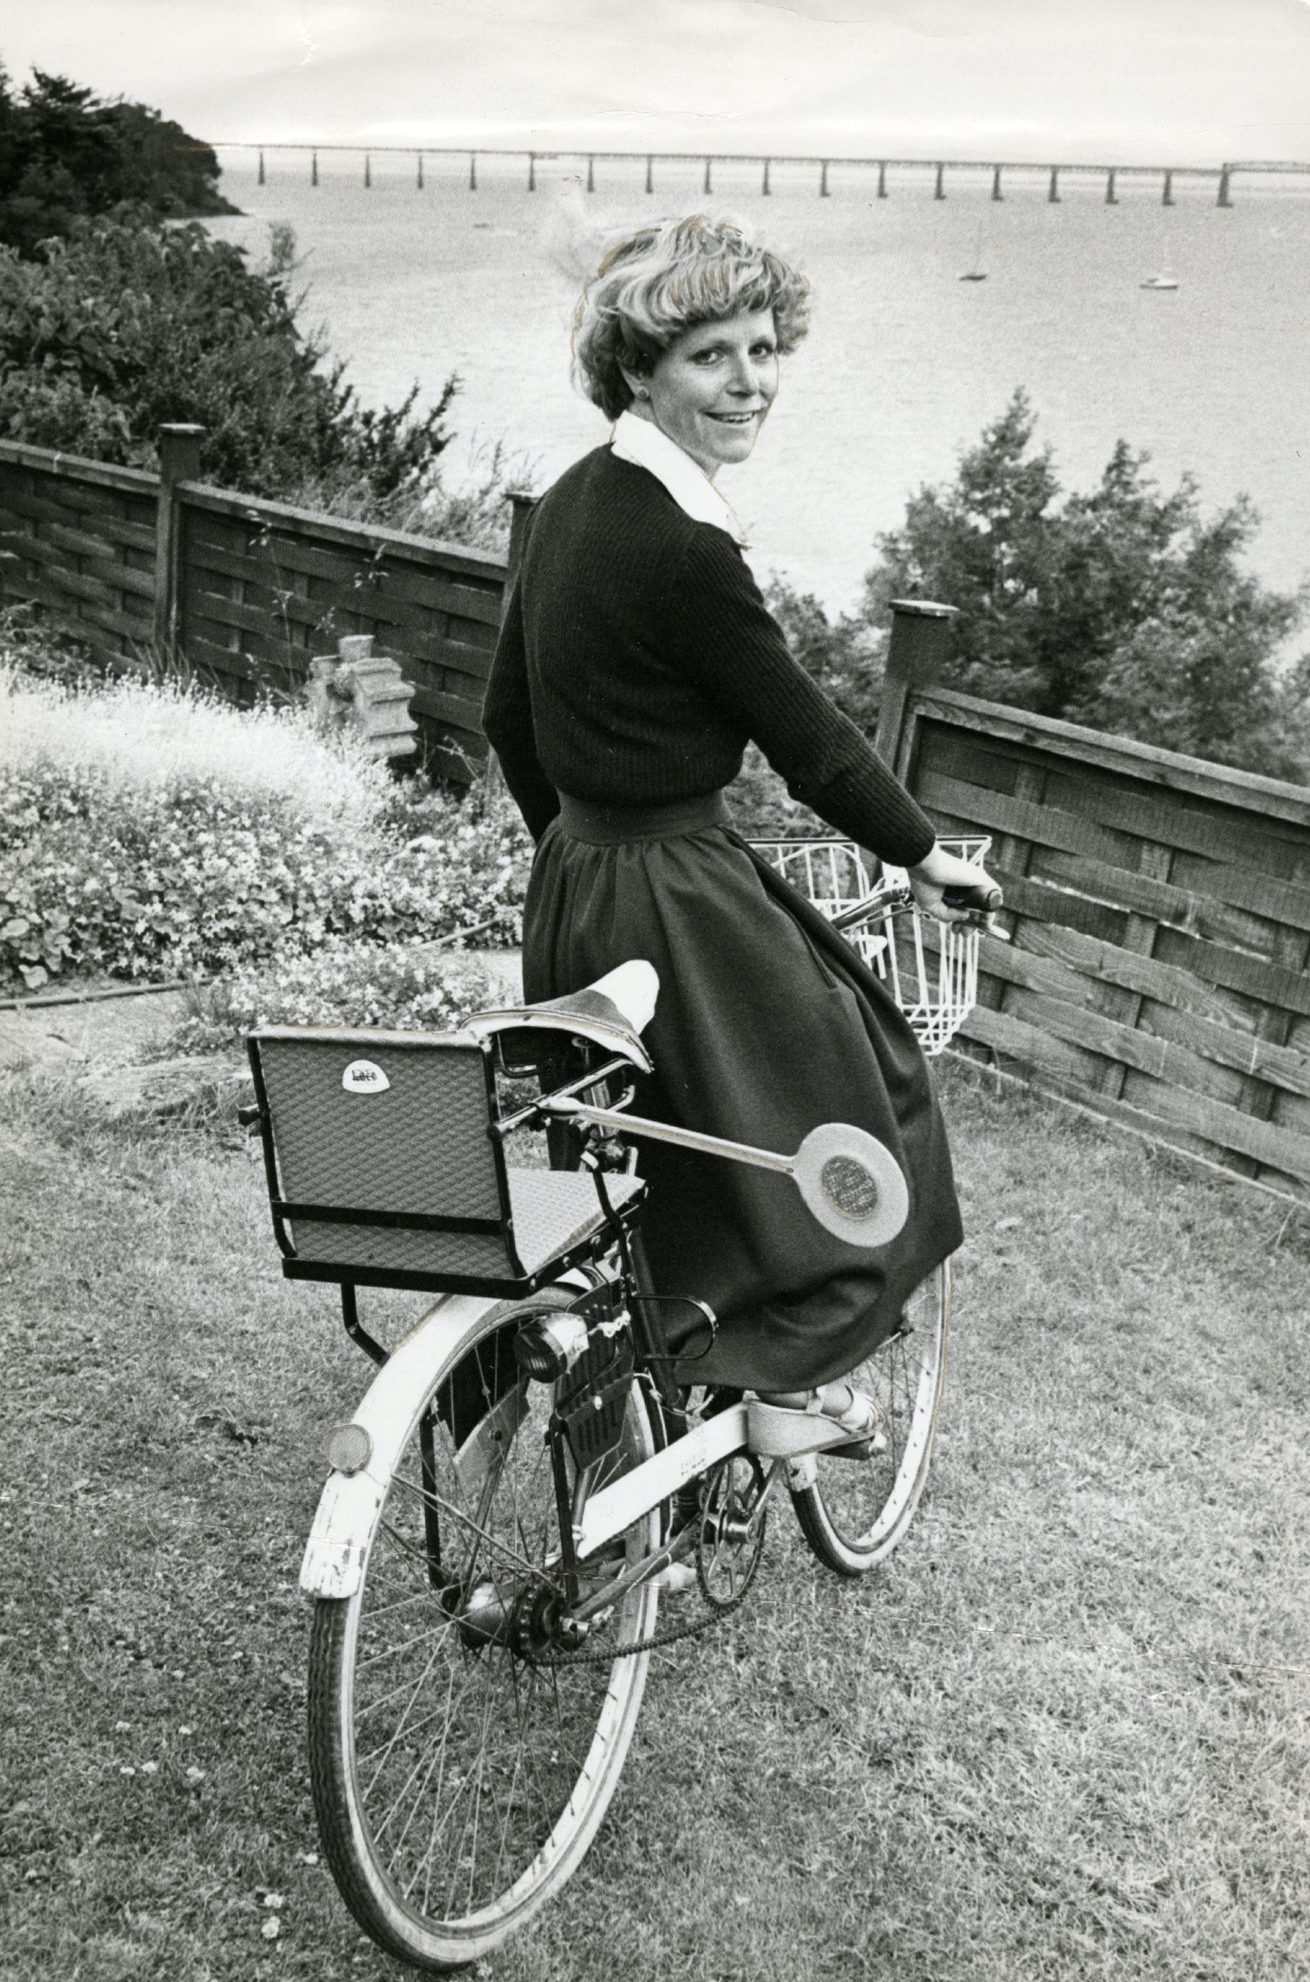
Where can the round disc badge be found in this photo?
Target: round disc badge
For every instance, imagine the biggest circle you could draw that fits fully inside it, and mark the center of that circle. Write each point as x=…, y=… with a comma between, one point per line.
x=852, y=1184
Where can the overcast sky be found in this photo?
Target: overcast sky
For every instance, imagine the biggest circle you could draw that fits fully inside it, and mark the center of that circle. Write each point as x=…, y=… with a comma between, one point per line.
x=1119, y=81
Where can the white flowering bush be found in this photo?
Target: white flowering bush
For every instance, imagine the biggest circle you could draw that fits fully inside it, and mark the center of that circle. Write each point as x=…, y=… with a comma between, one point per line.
x=345, y=983
x=136, y=735
x=154, y=833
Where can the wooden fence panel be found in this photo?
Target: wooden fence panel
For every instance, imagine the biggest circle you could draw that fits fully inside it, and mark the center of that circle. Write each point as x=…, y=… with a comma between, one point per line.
x=1160, y=917
x=254, y=590
x=266, y=588
x=77, y=538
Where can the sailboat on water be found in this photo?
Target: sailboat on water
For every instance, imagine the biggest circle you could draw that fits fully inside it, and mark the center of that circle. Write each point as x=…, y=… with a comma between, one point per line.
x=976, y=272
x=1165, y=279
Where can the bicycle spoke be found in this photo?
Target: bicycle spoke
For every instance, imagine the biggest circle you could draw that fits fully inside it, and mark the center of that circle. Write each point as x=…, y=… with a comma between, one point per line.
x=479, y=1750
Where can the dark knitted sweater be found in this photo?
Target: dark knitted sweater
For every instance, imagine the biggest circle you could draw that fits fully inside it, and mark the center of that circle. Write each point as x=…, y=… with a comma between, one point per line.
x=637, y=658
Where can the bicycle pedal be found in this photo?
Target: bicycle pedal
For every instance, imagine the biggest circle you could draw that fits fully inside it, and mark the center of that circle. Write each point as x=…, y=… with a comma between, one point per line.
x=864, y=1448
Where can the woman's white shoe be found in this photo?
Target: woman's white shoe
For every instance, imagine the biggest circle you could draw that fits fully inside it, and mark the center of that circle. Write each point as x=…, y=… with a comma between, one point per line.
x=781, y=1430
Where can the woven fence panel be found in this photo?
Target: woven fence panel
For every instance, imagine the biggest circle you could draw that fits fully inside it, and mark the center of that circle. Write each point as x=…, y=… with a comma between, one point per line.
x=78, y=540
x=1161, y=930
x=265, y=588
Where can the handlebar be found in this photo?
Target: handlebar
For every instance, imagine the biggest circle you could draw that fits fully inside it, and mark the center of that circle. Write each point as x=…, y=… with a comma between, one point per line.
x=979, y=902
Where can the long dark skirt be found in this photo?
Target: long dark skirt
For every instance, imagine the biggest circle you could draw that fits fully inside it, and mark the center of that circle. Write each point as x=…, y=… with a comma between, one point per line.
x=767, y=1024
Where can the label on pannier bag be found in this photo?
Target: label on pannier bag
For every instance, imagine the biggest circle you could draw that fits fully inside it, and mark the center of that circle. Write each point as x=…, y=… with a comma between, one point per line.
x=364, y=1077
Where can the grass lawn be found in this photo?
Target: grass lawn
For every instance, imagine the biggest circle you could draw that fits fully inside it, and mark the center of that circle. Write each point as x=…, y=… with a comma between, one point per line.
x=1062, y=1734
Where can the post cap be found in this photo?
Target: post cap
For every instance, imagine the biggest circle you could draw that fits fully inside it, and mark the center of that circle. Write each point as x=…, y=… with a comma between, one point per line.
x=924, y=609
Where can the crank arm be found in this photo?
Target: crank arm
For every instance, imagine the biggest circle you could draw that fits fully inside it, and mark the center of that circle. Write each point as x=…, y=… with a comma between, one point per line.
x=641, y=1572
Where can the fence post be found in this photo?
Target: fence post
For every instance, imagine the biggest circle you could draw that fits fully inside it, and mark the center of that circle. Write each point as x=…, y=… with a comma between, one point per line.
x=523, y=502
x=916, y=653
x=179, y=461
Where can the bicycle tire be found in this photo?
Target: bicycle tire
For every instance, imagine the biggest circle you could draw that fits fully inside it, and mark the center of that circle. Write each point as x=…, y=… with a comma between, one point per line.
x=854, y=1512
x=457, y=1783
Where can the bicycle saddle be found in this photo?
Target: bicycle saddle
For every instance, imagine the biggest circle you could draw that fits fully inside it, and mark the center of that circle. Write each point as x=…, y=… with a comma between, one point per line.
x=612, y=1013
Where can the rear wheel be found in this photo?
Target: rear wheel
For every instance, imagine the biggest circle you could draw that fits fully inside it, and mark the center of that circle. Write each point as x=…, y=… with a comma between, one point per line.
x=854, y=1511
x=462, y=1755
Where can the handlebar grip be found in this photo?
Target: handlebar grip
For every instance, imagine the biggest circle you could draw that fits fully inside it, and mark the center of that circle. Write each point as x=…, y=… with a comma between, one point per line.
x=983, y=901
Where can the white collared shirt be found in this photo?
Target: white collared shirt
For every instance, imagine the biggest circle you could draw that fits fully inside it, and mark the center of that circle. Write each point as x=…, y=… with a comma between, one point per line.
x=642, y=442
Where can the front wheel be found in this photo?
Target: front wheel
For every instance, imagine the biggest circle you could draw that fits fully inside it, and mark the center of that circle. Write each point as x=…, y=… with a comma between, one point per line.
x=853, y=1511
x=463, y=1749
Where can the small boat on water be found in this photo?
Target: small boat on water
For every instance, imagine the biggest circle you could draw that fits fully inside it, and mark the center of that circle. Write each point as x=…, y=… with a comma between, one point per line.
x=977, y=273
x=1159, y=282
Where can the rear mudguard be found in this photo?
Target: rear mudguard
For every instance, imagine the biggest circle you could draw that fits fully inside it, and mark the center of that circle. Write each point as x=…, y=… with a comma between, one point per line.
x=388, y=1412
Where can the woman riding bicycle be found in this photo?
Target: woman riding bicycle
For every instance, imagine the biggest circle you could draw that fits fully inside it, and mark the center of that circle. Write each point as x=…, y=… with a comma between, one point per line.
x=636, y=660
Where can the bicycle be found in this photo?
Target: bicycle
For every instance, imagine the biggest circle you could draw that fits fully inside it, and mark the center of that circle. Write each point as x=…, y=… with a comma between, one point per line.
x=524, y=1476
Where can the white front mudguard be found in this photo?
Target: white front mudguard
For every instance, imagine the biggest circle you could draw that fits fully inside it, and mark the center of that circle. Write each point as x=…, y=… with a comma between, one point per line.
x=334, y=1555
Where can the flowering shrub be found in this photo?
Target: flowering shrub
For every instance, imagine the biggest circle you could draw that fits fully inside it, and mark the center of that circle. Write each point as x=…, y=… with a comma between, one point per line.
x=143, y=736
x=345, y=983
x=147, y=833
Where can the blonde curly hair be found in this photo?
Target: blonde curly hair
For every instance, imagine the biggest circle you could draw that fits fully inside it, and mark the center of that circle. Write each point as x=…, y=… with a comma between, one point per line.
x=664, y=280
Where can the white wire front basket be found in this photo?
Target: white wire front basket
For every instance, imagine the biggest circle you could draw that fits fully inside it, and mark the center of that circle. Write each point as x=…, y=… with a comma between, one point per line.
x=935, y=982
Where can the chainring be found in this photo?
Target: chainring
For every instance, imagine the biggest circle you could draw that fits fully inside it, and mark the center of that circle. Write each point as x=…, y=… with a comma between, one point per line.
x=730, y=1534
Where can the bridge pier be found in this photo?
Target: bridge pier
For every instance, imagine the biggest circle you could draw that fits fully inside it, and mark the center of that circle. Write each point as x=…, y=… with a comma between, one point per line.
x=313, y=168
x=939, y=188
x=709, y=185
x=1167, y=197
x=473, y=172
x=591, y=175
x=1111, y=197
x=997, y=194
x=532, y=171
x=765, y=189
x=1223, y=199
x=1053, y=190
x=419, y=179
x=882, y=178
x=261, y=166
x=823, y=180
x=650, y=174
x=368, y=170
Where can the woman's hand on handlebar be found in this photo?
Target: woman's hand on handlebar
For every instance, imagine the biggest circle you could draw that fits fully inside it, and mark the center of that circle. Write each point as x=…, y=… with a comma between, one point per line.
x=954, y=890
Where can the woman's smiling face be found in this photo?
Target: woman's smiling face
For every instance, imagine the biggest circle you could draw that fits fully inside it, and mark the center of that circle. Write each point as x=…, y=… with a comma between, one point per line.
x=712, y=389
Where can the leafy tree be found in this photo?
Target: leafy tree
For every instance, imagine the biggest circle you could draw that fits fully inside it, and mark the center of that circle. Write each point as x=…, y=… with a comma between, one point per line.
x=129, y=323
x=1123, y=608
x=114, y=318
x=846, y=659
x=66, y=155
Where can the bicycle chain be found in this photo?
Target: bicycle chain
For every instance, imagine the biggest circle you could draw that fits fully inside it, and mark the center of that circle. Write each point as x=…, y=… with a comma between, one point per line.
x=653, y=1644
